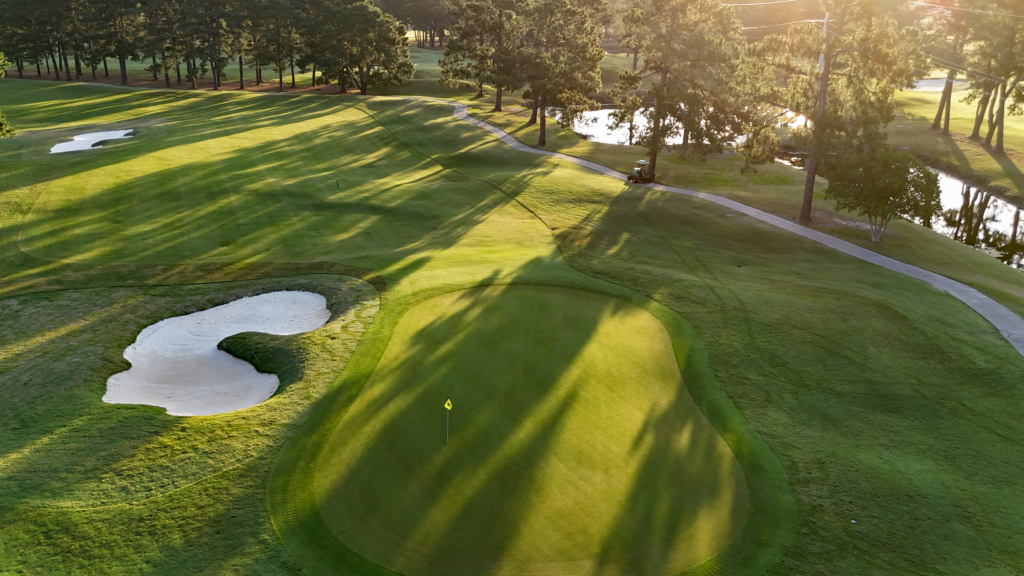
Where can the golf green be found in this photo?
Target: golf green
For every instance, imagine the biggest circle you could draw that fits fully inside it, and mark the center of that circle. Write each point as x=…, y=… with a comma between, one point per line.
x=575, y=446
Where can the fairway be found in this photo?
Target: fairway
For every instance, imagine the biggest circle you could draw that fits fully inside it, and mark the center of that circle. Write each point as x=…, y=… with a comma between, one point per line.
x=575, y=449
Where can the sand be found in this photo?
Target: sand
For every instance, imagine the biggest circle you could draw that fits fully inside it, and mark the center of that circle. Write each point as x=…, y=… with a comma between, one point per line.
x=88, y=141
x=176, y=364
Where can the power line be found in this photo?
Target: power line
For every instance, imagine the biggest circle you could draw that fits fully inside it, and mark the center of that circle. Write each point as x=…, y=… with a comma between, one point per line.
x=763, y=3
x=947, y=64
x=966, y=9
x=780, y=24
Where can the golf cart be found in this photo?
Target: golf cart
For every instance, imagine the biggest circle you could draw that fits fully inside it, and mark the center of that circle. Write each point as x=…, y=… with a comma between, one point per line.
x=640, y=174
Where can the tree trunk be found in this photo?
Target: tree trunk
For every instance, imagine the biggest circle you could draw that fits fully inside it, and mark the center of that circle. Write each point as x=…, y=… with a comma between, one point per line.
x=292, y=62
x=536, y=106
x=56, y=68
x=93, y=66
x=543, y=140
x=636, y=60
x=106, y=72
x=241, y=73
x=944, y=102
x=124, y=70
x=656, y=128
x=362, y=80
x=497, y=99
x=480, y=90
x=64, y=58
x=78, y=65
x=314, y=75
x=177, y=70
x=17, y=64
x=280, y=78
x=39, y=70
x=1016, y=223
x=999, y=97
x=1001, y=117
x=811, y=165
x=216, y=74
x=949, y=107
x=979, y=115
x=191, y=71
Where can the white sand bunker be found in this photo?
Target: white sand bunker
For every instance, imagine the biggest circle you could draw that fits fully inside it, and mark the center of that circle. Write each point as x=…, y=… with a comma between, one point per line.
x=88, y=141
x=176, y=364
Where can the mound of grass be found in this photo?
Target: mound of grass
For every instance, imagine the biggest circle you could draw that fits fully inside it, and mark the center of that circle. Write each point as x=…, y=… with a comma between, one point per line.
x=571, y=432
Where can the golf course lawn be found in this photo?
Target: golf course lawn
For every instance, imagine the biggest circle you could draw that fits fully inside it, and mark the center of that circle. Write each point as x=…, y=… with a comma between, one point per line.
x=575, y=448
x=843, y=391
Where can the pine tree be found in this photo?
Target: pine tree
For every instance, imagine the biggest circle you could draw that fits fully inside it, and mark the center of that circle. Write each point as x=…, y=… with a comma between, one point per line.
x=562, y=61
x=694, y=49
x=6, y=130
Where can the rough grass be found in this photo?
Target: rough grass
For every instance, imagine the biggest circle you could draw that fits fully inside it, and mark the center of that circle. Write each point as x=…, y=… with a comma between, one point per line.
x=123, y=489
x=884, y=401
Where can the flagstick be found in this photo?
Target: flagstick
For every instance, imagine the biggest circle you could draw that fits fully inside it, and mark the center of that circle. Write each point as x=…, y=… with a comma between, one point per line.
x=447, y=419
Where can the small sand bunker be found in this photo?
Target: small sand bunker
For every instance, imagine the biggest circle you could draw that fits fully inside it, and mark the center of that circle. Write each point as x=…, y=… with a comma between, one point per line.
x=176, y=364
x=88, y=141
x=933, y=84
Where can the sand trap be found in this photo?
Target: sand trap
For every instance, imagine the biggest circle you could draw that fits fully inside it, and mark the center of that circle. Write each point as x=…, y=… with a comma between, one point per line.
x=176, y=364
x=933, y=84
x=88, y=141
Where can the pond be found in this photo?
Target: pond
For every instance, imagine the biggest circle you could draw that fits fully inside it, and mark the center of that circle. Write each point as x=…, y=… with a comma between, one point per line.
x=969, y=215
x=979, y=219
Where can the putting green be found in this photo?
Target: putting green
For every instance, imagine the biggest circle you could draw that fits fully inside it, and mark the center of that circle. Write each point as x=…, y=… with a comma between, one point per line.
x=575, y=446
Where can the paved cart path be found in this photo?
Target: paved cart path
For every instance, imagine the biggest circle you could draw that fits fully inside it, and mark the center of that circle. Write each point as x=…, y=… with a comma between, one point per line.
x=1009, y=324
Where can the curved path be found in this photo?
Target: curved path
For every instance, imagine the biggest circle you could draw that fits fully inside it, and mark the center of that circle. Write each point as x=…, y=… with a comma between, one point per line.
x=1009, y=324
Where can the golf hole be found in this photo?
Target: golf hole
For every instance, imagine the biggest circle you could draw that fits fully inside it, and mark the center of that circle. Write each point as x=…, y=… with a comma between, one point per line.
x=176, y=364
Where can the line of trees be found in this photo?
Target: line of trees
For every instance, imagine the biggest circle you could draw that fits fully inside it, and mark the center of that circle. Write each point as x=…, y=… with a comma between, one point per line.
x=428, y=18
x=6, y=130
x=973, y=40
x=353, y=43
x=550, y=49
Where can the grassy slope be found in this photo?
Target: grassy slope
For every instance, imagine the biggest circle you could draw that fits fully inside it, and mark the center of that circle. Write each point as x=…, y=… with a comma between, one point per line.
x=867, y=386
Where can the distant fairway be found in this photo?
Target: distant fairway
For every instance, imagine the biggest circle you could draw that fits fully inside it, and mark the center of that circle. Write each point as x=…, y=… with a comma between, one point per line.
x=576, y=449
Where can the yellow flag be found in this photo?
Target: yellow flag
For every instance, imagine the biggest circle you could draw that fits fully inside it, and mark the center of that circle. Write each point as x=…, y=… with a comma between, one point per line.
x=448, y=404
